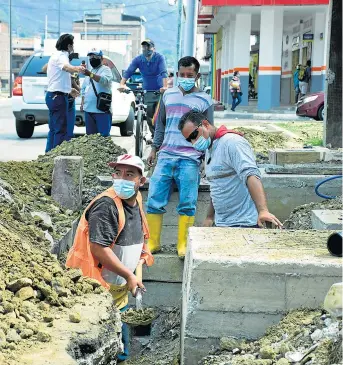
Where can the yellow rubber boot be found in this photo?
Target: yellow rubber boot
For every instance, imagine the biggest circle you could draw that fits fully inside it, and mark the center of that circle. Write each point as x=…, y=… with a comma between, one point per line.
x=184, y=223
x=155, y=228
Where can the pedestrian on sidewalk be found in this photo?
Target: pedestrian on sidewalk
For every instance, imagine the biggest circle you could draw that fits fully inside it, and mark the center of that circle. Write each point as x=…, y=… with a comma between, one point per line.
x=109, y=242
x=59, y=87
x=237, y=195
x=296, y=83
x=304, y=78
x=235, y=90
x=177, y=160
x=98, y=80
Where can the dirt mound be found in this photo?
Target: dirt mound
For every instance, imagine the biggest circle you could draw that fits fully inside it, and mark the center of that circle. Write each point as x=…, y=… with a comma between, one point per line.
x=300, y=218
x=261, y=141
x=306, y=332
x=97, y=152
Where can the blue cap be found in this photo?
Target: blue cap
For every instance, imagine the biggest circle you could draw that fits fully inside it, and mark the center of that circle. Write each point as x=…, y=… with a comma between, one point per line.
x=95, y=51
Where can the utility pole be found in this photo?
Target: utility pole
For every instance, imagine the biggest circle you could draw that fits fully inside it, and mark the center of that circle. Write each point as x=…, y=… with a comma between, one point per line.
x=59, y=18
x=178, y=40
x=10, y=80
x=333, y=84
x=191, y=28
x=46, y=27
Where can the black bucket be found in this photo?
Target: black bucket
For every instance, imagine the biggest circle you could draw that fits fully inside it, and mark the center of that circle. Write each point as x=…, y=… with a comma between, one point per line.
x=335, y=244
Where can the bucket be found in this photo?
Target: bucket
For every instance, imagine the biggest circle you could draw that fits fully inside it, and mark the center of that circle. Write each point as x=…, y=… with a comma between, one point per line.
x=334, y=244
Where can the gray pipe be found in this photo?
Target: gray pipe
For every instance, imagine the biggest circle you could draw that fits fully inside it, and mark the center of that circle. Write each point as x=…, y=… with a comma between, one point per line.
x=191, y=28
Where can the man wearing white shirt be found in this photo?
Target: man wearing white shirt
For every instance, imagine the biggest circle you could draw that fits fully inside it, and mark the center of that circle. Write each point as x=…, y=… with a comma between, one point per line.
x=59, y=86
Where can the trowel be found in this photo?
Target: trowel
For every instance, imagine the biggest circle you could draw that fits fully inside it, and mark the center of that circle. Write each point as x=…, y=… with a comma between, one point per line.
x=297, y=356
x=138, y=296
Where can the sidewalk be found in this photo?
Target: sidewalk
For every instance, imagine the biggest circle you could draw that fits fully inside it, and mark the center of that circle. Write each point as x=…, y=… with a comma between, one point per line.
x=271, y=115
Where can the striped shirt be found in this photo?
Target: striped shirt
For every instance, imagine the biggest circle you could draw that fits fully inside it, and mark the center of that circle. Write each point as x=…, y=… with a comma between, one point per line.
x=168, y=138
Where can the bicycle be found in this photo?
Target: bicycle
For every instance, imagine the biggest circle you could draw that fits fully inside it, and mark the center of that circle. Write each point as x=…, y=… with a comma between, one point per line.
x=141, y=127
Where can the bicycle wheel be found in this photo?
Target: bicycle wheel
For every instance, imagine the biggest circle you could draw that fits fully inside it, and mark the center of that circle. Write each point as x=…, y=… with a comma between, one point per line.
x=139, y=134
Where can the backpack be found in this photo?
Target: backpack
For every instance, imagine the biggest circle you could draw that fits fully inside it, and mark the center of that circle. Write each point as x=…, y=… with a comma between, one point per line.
x=302, y=73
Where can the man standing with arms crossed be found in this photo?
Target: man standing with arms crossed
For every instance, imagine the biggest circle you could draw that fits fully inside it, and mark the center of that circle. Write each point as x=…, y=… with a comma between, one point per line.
x=152, y=66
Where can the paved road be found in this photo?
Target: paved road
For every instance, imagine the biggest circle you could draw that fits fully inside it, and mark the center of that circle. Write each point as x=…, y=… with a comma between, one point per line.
x=14, y=148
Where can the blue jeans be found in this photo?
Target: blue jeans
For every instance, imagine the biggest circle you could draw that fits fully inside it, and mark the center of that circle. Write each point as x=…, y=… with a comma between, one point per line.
x=125, y=337
x=58, y=109
x=185, y=173
x=98, y=123
x=71, y=119
x=236, y=101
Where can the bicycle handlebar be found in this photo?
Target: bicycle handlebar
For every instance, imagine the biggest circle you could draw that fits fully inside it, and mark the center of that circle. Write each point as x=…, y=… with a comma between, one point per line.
x=128, y=91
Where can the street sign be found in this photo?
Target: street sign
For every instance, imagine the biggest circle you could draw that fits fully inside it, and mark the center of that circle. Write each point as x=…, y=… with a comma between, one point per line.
x=308, y=37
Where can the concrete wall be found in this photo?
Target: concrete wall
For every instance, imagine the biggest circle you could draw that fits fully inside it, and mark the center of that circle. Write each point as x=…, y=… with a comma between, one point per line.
x=244, y=280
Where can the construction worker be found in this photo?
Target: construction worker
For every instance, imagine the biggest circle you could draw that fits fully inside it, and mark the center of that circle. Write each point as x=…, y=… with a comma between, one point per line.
x=177, y=159
x=153, y=69
x=109, y=242
x=237, y=194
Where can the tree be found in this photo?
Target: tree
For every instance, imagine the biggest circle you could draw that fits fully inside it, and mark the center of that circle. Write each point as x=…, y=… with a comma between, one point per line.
x=333, y=115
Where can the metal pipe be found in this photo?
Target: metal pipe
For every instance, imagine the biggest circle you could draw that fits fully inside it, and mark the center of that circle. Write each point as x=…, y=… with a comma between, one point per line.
x=178, y=40
x=191, y=28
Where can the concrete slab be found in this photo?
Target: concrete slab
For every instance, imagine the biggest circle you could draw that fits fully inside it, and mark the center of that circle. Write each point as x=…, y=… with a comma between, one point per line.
x=160, y=294
x=245, y=280
x=327, y=219
x=308, y=169
x=281, y=156
x=167, y=268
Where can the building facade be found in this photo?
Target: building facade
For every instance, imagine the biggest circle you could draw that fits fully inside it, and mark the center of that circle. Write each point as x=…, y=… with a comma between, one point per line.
x=110, y=25
x=265, y=39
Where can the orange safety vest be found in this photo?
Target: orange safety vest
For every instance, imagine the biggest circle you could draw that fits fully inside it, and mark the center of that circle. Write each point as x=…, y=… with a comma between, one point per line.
x=80, y=256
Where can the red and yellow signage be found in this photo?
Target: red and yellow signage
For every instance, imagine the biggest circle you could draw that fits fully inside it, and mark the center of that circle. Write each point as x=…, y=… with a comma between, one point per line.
x=262, y=2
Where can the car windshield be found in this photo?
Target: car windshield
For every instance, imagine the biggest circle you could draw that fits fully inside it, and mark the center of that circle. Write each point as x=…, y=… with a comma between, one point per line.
x=33, y=68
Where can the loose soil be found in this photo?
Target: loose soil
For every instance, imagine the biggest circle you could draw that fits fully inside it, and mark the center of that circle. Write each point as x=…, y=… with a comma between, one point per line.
x=300, y=218
x=297, y=332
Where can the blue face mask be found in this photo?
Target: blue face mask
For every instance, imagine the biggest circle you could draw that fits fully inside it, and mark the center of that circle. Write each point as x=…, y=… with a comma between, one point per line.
x=185, y=83
x=125, y=189
x=202, y=144
x=147, y=52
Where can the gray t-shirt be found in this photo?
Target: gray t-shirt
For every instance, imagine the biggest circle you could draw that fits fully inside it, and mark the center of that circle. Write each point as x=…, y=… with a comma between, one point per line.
x=228, y=164
x=102, y=219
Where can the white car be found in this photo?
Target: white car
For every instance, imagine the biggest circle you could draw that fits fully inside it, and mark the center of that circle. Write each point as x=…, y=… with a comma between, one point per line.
x=28, y=100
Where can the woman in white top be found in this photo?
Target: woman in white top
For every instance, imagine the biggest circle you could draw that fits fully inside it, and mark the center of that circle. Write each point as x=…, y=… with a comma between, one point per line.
x=59, y=86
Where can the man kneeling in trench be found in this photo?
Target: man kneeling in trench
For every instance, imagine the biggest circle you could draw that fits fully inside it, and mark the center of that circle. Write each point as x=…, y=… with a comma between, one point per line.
x=109, y=242
x=237, y=195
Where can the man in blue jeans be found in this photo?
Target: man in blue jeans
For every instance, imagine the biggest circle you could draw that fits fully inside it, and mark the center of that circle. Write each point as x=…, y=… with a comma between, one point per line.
x=177, y=159
x=59, y=86
x=101, y=76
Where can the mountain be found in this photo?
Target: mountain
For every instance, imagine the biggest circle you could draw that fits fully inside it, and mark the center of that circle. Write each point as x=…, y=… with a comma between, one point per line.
x=28, y=18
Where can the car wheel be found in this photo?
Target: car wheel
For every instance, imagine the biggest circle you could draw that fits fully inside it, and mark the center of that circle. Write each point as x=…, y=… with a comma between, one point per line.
x=126, y=128
x=24, y=128
x=320, y=114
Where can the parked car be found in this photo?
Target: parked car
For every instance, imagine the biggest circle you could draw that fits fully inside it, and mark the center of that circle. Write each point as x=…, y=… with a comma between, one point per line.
x=311, y=105
x=28, y=101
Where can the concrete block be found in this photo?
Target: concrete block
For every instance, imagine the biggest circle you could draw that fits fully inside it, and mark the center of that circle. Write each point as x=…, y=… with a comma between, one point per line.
x=67, y=182
x=327, y=219
x=194, y=349
x=213, y=324
x=308, y=291
x=160, y=294
x=167, y=268
x=280, y=156
x=244, y=280
x=239, y=291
